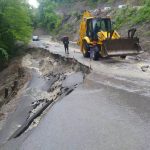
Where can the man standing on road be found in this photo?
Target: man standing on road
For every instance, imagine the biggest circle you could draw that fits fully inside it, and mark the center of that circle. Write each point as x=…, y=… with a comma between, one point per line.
x=66, y=44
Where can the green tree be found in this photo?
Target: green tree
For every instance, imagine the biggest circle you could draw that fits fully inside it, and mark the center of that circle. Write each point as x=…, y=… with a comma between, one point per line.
x=47, y=16
x=15, y=25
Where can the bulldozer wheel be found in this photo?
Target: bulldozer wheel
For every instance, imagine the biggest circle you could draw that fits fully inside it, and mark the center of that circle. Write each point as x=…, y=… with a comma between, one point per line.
x=86, y=49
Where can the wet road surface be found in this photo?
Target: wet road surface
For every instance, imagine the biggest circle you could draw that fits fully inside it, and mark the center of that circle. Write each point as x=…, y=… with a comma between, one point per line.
x=47, y=82
x=111, y=110
x=115, y=72
x=95, y=117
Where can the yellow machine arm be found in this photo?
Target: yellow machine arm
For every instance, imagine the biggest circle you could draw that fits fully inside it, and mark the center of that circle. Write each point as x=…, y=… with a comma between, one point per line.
x=82, y=29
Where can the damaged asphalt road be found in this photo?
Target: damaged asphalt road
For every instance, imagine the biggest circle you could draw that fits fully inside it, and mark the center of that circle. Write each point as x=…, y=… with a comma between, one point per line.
x=110, y=110
x=51, y=80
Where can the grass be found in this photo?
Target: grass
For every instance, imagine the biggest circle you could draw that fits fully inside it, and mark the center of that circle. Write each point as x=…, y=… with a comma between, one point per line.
x=3, y=54
x=132, y=16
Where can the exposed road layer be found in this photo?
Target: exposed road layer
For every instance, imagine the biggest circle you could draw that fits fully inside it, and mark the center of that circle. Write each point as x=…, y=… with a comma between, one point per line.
x=110, y=111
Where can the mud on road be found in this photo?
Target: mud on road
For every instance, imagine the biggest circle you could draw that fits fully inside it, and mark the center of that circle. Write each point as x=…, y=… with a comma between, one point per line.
x=50, y=78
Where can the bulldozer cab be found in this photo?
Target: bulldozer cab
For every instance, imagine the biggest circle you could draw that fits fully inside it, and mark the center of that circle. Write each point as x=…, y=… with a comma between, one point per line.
x=95, y=25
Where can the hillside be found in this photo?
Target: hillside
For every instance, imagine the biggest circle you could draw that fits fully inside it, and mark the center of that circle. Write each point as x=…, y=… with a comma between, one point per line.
x=134, y=14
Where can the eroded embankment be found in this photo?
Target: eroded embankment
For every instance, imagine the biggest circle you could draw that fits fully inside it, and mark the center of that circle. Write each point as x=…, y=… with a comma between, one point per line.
x=52, y=77
x=12, y=79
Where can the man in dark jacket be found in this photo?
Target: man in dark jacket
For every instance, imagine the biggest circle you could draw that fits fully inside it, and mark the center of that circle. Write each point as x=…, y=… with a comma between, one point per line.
x=66, y=44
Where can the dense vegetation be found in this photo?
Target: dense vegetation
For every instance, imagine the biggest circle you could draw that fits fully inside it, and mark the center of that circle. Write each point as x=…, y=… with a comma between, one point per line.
x=132, y=15
x=15, y=26
x=90, y=2
x=16, y=19
x=49, y=19
x=47, y=16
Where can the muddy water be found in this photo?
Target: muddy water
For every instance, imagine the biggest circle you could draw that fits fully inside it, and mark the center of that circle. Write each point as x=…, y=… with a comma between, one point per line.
x=52, y=78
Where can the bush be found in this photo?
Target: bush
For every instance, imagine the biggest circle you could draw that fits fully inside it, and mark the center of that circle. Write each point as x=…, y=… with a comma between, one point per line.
x=47, y=16
x=132, y=16
x=14, y=26
x=143, y=15
x=3, y=54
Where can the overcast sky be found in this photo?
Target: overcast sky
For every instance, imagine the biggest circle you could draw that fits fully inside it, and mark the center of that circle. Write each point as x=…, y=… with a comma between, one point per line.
x=34, y=3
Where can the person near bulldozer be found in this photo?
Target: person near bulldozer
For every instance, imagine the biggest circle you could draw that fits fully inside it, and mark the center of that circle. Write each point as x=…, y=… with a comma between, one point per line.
x=65, y=41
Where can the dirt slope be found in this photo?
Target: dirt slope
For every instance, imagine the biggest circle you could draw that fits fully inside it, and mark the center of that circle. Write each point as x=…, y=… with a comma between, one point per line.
x=72, y=14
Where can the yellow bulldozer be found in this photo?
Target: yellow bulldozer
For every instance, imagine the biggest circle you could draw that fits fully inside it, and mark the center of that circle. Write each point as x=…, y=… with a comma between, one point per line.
x=97, y=39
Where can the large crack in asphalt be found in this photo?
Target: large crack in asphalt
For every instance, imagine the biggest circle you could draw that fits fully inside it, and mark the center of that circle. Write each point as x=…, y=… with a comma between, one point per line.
x=52, y=78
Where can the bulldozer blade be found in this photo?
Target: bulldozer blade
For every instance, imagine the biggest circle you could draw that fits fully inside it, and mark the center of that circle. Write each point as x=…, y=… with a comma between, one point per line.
x=121, y=47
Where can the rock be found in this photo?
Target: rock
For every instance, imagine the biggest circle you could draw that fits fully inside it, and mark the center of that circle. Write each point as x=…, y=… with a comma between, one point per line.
x=6, y=93
x=145, y=68
x=1, y=115
x=20, y=72
x=14, y=87
x=138, y=58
